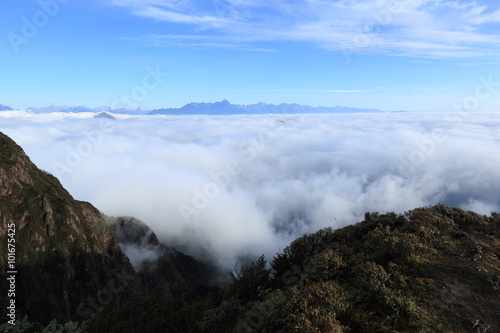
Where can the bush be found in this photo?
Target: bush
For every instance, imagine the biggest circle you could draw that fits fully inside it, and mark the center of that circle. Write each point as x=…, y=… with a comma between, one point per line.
x=383, y=245
x=52, y=327
x=315, y=308
x=325, y=266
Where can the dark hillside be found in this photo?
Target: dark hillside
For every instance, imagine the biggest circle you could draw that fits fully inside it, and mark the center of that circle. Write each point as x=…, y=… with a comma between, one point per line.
x=170, y=269
x=432, y=269
x=64, y=251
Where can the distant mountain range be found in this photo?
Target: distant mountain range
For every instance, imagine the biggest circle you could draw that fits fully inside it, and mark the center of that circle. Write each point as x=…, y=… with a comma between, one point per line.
x=81, y=108
x=217, y=108
x=226, y=108
x=4, y=108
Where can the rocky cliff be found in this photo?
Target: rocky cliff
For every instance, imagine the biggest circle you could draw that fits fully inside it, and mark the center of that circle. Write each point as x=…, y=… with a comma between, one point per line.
x=64, y=253
x=70, y=260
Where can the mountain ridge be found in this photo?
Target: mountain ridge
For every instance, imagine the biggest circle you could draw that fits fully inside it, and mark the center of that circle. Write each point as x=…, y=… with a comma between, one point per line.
x=226, y=108
x=223, y=107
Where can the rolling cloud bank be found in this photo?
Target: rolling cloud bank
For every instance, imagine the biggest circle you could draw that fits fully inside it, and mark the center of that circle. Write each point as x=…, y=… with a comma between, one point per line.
x=226, y=187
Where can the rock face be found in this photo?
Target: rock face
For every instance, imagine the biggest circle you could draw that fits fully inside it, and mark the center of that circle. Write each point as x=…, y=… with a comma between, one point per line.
x=64, y=251
x=71, y=260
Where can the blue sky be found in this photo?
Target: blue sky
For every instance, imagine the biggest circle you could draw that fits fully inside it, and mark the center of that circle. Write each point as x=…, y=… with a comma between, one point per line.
x=412, y=54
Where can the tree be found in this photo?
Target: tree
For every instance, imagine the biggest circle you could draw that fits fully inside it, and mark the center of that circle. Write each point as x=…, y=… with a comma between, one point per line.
x=251, y=282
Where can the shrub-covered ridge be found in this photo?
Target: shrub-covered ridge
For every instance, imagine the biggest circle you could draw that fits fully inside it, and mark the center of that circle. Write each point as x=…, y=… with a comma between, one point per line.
x=433, y=269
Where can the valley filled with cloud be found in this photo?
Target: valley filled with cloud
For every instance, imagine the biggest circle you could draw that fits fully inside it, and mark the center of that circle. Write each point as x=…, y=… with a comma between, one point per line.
x=232, y=187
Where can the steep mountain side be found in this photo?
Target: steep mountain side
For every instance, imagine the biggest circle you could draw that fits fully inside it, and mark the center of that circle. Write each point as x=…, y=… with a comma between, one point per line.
x=64, y=251
x=5, y=108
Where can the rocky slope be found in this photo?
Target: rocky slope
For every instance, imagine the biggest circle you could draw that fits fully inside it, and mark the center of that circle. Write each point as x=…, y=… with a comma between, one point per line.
x=64, y=251
x=71, y=260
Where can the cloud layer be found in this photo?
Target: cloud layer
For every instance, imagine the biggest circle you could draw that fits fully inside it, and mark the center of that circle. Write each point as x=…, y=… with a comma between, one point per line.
x=427, y=28
x=231, y=186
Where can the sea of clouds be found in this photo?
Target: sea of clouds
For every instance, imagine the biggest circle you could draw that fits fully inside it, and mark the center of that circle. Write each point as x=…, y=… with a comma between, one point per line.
x=227, y=187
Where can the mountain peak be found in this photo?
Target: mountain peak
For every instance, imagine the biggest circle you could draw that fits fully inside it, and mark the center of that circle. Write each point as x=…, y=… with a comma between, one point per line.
x=5, y=108
x=104, y=115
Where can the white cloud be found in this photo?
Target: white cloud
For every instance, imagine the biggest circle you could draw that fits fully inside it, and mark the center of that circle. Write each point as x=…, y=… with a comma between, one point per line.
x=140, y=254
x=297, y=173
x=480, y=207
x=173, y=11
x=424, y=28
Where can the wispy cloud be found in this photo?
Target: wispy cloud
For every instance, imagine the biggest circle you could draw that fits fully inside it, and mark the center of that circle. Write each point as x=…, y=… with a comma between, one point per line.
x=343, y=91
x=202, y=41
x=173, y=11
x=334, y=91
x=423, y=28
x=433, y=88
x=263, y=90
